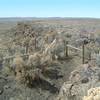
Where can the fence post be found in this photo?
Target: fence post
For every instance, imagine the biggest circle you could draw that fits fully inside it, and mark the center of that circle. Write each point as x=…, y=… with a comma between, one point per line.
x=66, y=48
x=83, y=53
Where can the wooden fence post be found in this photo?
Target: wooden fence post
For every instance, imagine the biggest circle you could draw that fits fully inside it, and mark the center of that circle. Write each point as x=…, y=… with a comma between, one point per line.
x=83, y=53
x=66, y=48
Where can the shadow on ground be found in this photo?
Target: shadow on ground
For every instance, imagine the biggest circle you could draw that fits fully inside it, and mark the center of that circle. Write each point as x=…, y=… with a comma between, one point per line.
x=45, y=85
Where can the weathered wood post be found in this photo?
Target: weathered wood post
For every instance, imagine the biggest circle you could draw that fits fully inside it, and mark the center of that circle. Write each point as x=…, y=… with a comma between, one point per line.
x=83, y=52
x=66, y=48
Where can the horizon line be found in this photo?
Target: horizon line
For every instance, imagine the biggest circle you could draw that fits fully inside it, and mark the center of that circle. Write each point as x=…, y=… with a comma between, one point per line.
x=49, y=17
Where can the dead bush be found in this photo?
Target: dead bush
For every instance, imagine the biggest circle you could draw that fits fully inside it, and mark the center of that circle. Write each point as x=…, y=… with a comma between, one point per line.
x=34, y=60
x=18, y=64
x=31, y=76
x=19, y=68
x=26, y=74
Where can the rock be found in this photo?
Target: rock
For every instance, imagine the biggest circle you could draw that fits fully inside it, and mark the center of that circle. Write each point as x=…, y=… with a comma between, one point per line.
x=81, y=80
x=93, y=94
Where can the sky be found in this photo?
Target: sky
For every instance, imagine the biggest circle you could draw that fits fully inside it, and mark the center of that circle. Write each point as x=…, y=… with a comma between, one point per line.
x=50, y=8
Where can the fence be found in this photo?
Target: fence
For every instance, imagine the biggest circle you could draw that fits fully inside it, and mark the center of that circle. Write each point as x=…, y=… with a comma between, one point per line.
x=78, y=49
x=66, y=45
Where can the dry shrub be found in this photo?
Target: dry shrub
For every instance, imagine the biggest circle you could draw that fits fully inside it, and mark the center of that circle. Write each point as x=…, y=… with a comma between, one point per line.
x=34, y=60
x=19, y=78
x=19, y=67
x=47, y=55
x=25, y=74
x=18, y=64
x=39, y=60
x=32, y=76
x=29, y=77
x=46, y=59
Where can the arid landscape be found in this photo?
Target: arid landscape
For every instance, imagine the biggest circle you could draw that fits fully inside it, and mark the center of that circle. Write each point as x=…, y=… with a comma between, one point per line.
x=49, y=58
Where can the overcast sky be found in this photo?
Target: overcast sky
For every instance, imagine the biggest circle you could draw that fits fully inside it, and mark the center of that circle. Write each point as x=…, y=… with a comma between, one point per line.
x=50, y=8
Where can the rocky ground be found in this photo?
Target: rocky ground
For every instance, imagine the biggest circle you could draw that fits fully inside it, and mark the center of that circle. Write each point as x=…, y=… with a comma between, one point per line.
x=80, y=81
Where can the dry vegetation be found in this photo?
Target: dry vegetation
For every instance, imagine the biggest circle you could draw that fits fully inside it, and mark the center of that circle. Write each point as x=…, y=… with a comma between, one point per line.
x=33, y=54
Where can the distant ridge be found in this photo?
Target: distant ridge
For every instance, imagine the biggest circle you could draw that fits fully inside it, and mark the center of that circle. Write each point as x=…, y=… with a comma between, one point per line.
x=14, y=19
x=6, y=19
